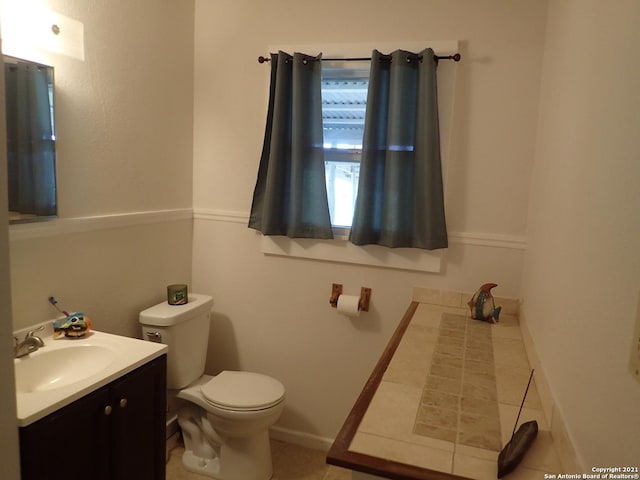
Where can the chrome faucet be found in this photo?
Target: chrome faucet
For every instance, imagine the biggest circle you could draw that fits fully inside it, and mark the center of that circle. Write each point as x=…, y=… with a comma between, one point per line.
x=30, y=344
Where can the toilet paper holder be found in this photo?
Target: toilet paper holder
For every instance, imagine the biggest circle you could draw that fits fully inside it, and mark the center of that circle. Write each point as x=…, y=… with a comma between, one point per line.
x=363, y=303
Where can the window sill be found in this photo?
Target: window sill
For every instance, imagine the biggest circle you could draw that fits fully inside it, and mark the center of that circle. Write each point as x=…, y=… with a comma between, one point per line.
x=341, y=251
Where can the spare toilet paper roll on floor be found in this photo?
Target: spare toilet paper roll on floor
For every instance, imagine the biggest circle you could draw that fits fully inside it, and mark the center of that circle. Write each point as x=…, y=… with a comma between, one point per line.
x=348, y=305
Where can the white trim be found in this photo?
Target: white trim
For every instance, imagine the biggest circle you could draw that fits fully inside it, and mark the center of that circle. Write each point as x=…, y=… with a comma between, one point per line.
x=62, y=226
x=221, y=216
x=489, y=240
x=563, y=441
x=343, y=251
x=303, y=439
x=465, y=238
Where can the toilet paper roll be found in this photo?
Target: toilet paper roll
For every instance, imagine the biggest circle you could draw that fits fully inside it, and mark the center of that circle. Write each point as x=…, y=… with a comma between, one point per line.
x=348, y=305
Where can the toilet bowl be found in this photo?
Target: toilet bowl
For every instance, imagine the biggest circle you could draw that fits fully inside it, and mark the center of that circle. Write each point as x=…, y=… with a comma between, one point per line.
x=225, y=418
x=225, y=421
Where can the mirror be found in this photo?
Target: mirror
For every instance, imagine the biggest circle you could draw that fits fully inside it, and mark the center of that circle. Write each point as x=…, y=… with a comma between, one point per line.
x=31, y=157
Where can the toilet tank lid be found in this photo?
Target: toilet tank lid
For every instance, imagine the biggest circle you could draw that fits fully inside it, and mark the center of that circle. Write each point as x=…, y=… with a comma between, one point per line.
x=165, y=315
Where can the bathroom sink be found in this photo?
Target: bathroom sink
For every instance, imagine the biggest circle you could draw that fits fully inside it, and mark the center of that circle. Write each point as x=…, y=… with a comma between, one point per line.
x=50, y=369
x=65, y=370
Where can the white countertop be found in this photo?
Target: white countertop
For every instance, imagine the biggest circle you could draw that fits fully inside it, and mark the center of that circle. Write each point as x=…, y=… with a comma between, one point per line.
x=130, y=353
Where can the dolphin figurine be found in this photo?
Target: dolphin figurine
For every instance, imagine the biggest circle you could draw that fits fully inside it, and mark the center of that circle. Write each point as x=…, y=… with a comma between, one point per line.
x=482, y=305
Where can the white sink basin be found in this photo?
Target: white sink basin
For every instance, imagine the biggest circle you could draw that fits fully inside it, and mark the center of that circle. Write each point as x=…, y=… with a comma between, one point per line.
x=49, y=369
x=65, y=369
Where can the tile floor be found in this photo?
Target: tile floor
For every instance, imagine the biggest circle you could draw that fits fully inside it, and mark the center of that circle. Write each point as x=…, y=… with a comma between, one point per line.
x=290, y=462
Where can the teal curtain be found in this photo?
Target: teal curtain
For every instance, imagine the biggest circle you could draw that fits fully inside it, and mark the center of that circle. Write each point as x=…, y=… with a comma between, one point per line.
x=290, y=196
x=30, y=140
x=400, y=194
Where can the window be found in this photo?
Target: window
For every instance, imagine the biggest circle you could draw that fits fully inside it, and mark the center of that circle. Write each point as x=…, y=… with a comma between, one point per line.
x=344, y=102
x=397, y=152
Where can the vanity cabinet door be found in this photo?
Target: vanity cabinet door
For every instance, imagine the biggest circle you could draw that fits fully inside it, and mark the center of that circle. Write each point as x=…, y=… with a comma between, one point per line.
x=70, y=444
x=114, y=433
x=139, y=423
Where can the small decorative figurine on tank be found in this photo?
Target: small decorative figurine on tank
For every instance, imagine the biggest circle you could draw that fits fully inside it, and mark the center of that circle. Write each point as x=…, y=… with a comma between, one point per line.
x=74, y=325
x=483, y=306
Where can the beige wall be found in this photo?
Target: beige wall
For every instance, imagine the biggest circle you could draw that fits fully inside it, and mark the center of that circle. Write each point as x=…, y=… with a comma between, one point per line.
x=124, y=124
x=125, y=128
x=582, y=273
x=9, y=454
x=124, y=146
x=110, y=274
x=272, y=313
x=495, y=102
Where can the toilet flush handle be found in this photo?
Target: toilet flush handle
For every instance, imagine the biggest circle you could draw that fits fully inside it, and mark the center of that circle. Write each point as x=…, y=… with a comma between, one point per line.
x=154, y=337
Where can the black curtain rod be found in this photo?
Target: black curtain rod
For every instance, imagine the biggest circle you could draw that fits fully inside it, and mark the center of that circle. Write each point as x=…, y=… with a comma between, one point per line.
x=455, y=57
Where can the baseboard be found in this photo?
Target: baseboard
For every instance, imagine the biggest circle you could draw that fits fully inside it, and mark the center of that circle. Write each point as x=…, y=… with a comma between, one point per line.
x=294, y=437
x=172, y=426
x=303, y=439
x=172, y=442
x=561, y=438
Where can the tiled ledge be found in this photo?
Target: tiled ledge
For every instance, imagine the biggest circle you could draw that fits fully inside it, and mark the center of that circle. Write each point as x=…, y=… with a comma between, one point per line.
x=380, y=437
x=339, y=453
x=510, y=306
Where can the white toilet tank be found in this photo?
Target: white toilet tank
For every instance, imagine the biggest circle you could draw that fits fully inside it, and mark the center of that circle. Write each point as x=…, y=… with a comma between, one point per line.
x=185, y=329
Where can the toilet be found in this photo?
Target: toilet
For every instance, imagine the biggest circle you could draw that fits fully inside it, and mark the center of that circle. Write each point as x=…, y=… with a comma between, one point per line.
x=225, y=418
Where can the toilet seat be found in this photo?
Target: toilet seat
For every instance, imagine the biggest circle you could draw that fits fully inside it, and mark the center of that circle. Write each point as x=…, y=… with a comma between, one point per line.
x=242, y=391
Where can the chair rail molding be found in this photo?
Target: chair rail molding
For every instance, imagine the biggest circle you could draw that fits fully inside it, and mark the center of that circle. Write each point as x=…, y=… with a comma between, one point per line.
x=62, y=226
x=497, y=240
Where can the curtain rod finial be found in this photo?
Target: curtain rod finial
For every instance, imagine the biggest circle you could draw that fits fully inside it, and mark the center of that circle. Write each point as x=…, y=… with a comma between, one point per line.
x=262, y=59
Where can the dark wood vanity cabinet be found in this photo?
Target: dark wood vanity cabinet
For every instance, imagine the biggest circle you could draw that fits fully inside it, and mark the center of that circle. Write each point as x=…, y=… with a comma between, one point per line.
x=114, y=433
